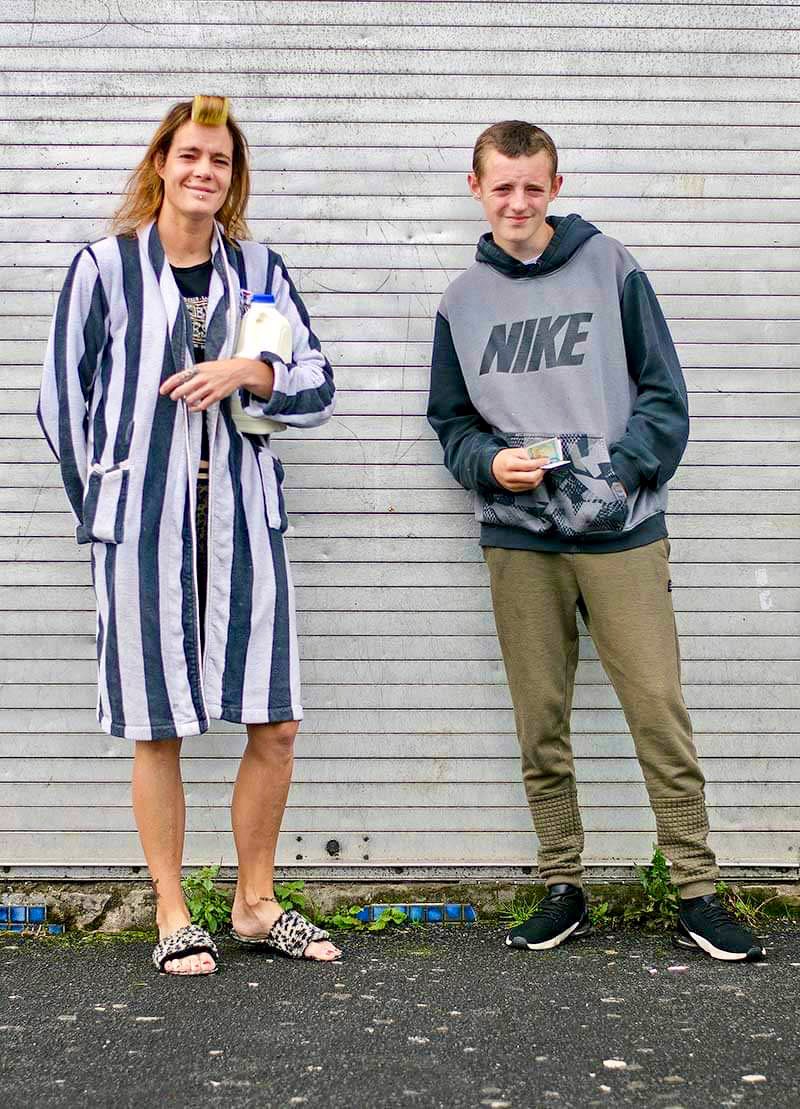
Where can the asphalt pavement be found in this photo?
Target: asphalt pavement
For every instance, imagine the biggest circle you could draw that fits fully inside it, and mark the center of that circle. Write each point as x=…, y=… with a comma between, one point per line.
x=434, y=1016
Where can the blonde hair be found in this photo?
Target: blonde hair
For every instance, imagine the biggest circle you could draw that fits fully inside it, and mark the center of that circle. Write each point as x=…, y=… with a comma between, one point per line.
x=144, y=190
x=211, y=111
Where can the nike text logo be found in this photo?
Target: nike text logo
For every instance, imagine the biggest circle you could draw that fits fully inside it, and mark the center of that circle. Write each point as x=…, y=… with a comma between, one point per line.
x=520, y=347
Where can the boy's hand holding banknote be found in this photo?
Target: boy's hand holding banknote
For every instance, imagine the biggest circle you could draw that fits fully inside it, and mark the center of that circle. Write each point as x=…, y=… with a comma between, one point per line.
x=522, y=469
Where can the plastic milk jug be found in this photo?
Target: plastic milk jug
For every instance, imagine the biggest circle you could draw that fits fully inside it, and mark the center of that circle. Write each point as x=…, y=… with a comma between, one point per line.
x=263, y=328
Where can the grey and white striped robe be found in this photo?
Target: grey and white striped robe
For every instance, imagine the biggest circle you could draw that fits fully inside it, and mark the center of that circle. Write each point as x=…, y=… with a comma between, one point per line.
x=129, y=460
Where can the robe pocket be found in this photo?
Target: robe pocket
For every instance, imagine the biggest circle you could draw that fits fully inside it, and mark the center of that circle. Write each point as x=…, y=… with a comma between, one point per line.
x=104, y=504
x=272, y=475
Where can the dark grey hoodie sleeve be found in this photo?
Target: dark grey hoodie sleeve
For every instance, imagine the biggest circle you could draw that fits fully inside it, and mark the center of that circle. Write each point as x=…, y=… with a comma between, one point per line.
x=469, y=444
x=658, y=427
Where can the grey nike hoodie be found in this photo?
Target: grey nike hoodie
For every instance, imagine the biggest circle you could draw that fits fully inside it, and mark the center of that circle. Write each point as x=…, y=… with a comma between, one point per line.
x=573, y=346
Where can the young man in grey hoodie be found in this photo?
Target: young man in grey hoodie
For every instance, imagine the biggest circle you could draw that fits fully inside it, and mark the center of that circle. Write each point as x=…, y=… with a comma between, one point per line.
x=556, y=334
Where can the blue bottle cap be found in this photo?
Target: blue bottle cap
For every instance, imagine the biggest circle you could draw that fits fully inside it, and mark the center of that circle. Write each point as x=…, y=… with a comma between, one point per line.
x=262, y=298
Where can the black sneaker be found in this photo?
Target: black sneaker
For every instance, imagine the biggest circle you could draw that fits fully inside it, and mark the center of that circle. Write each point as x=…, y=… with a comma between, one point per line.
x=561, y=915
x=705, y=923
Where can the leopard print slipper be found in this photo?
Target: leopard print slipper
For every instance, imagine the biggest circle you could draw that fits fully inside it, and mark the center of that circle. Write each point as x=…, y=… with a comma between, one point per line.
x=290, y=934
x=189, y=940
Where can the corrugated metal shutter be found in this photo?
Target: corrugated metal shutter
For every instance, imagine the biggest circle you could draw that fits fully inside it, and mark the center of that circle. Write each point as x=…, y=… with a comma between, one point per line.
x=677, y=126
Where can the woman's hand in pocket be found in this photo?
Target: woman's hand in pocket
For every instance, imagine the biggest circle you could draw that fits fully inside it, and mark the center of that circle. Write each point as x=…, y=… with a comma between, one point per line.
x=516, y=471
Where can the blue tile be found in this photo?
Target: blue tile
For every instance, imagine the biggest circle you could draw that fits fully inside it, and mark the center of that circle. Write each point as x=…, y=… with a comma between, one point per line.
x=363, y=916
x=3, y=913
x=37, y=914
x=16, y=927
x=55, y=929
x=453, y=912
x=18, y=913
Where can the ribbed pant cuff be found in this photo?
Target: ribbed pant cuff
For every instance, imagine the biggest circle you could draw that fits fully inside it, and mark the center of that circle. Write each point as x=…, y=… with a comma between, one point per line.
x=682, y=826
x=557, y=821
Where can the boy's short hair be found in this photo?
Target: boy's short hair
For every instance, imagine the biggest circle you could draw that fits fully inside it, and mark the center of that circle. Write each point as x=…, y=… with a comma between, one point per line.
x=515, y=139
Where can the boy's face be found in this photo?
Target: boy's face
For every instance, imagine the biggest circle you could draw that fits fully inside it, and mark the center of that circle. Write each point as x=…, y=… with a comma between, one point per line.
x=515, y=194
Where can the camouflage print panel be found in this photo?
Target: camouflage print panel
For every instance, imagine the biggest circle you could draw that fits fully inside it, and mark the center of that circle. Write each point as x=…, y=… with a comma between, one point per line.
x=583, y=497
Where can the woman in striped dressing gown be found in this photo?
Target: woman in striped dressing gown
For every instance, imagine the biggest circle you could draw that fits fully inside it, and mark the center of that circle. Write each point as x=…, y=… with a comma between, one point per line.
x=184, y=513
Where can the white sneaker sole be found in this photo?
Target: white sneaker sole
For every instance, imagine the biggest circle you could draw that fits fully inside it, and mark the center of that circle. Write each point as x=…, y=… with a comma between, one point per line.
x=555, y=941
x=717, y=953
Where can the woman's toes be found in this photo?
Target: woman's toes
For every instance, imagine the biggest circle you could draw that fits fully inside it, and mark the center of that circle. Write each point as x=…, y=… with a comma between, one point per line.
x=322, y=951
x=191, y=964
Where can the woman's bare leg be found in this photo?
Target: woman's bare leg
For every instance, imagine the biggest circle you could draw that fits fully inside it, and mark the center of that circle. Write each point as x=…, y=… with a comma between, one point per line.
x=159, y=807
x=259, y=798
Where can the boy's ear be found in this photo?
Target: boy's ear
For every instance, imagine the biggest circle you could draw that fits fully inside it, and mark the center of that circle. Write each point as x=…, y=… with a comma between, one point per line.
x=555, y=186
x=474, y=184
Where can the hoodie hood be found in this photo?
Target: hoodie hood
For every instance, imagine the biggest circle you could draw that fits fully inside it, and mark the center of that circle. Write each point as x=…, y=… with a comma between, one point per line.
x=569, y=233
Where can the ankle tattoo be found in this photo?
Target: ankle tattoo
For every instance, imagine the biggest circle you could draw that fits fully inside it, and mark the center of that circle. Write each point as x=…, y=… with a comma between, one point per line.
x=273, y=899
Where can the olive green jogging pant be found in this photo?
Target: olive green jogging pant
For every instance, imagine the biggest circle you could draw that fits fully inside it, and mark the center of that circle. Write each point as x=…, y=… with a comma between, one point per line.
x=626, y=602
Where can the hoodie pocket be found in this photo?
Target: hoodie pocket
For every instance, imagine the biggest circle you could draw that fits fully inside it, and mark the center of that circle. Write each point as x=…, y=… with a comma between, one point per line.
x=581, y=498
x=104, y=504
x=586, y=496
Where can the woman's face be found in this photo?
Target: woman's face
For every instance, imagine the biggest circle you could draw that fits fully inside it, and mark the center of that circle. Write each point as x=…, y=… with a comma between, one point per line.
x=197, y=171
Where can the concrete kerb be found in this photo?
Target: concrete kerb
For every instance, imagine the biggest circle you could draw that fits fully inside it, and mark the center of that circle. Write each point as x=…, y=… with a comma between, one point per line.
x=111, y=907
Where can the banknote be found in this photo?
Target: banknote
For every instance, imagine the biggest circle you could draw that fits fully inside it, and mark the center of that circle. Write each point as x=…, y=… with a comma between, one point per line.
x=549, y=449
